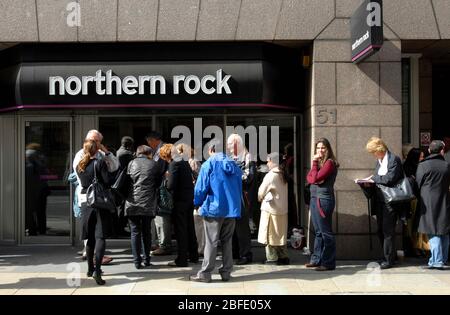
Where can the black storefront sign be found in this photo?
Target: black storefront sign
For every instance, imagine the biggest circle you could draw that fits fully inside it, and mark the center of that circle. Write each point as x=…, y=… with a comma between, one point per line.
x=152, y=76
x=366, y=30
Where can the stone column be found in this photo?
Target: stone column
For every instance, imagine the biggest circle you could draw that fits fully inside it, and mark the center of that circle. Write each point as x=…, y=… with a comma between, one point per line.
x=349, y=104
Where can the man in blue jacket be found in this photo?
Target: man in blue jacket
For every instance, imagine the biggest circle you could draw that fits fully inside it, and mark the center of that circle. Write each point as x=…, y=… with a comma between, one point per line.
x=218, y=191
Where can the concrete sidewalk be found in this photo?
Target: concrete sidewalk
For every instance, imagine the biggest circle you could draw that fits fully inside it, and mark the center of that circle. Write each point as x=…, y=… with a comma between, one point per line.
x=59, y=270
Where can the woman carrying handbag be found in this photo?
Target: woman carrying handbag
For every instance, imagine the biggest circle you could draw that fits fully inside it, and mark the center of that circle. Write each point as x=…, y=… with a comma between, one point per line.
x=388, y=172
x=96, y=223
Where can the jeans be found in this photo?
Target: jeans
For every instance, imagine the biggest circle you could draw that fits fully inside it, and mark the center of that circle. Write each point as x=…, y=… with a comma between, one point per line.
x=324, y=243
x=439, y=250
x=140, y=235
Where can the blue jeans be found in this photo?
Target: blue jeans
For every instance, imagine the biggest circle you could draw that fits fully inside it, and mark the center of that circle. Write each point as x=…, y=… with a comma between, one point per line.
x=325, y=243
x=141, y=237
x=439, y=250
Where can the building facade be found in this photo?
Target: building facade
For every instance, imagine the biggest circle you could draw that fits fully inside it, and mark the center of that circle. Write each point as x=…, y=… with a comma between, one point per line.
x=290, y=60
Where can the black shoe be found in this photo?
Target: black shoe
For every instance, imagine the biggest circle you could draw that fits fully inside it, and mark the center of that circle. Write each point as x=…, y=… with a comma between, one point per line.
x=138, y=265
x=198, y=279
x=98, y=278
x=244, y=261
x=283, y=261
x=225, y=278
x=385, y=265
x=175, y=264
x=147, y=263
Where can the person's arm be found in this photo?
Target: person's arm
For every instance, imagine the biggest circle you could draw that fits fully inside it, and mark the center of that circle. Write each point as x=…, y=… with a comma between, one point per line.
x=77, y=160
x=112, y=162
x=394, y=174
x=265, y=187
x=172, y=179
x=419, y=178
x=202, y=186
x=317, y=175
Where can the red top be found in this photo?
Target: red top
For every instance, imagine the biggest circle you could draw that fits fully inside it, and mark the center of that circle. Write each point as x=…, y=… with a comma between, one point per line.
x=317, y=175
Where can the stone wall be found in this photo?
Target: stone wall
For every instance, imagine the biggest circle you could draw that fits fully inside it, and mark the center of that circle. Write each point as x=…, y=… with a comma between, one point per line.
x=351, y=103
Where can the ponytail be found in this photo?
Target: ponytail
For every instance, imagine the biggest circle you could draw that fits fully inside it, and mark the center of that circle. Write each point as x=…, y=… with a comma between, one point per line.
x=89, y=151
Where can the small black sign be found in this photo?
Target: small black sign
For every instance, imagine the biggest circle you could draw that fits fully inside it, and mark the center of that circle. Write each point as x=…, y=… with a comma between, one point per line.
x=367, y=30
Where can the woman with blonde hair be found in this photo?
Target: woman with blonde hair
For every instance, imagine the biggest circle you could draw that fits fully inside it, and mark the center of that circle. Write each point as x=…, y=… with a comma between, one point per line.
x=388, y=171
x=96, y=224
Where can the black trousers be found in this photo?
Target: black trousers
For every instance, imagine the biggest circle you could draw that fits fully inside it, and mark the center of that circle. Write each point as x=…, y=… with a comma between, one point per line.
x=183, y=222
x=242, y=243
x=386, y=221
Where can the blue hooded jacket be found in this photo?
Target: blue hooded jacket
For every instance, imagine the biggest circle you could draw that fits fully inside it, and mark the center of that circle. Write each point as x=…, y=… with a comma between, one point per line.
x=219, y=188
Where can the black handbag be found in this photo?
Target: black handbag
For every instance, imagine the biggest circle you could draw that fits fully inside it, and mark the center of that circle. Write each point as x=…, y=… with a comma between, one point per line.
x=399, y=193
x=98, y=196
x=165, y=200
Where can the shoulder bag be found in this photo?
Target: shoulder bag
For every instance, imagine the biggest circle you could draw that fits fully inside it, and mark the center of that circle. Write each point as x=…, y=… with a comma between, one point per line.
x=98, y=196
x=401, y=192
x=165, y=200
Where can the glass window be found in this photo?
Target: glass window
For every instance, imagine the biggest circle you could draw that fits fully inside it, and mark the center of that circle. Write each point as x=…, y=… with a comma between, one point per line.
x=47, y=166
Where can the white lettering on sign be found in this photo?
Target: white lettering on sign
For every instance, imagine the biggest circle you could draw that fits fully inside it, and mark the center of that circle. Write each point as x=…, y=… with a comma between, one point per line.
x=360, y=40
x=110, y=84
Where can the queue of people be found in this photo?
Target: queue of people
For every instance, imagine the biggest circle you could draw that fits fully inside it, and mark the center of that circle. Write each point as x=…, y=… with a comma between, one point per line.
x=209, y=204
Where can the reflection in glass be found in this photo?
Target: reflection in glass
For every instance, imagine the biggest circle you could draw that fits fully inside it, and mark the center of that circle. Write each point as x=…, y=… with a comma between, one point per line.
x=47, y=165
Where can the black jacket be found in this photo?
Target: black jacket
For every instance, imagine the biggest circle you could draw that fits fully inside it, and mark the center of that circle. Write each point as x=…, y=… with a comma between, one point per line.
x=142, y=198
x=180, y=181
x=392, y=177
x=433, y=180
x=87, y=177
x=124, y=156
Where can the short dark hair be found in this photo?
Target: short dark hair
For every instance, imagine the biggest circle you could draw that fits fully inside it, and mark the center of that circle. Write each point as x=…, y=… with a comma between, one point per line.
x=436, y=146
x=153, y=135
x=127, y=142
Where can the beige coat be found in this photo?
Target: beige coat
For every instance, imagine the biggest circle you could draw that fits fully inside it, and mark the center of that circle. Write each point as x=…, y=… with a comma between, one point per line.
x=273, y=194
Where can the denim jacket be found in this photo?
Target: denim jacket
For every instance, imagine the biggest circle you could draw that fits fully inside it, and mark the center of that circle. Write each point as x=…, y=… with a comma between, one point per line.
x=76, y=208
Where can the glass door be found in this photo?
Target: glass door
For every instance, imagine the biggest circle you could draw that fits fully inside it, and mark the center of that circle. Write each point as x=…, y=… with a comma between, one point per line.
x=47, y=210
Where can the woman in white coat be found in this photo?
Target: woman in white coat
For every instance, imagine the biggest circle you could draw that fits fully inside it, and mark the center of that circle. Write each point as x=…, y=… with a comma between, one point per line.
x=273, y=226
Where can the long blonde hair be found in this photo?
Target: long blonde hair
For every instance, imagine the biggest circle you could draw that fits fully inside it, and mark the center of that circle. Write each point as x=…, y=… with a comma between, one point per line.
x=90, y=149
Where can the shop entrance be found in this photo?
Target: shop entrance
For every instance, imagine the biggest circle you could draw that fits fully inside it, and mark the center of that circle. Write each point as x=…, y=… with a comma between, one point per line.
x=285, y=127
